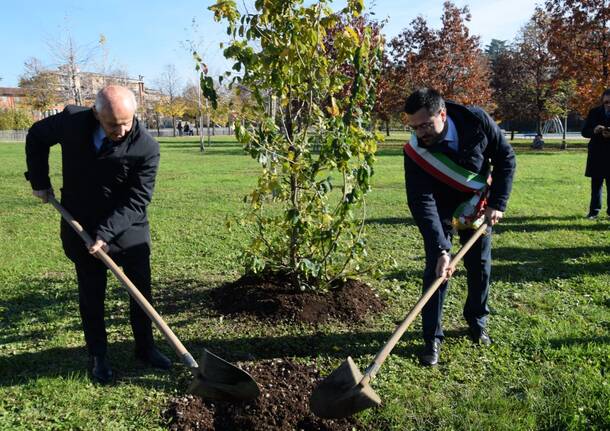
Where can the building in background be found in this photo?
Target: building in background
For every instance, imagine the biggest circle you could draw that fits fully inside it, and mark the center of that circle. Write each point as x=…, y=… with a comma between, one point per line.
x=65, y=89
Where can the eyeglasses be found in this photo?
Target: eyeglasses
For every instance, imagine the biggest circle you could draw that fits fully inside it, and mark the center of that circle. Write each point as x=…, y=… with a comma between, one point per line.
x=429, y=125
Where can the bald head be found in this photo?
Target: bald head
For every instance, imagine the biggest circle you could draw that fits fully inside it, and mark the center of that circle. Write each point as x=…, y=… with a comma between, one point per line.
x=114, y=108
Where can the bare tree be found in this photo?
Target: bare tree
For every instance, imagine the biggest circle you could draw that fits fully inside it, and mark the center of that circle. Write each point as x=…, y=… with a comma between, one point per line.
x=169, y=84
x=113, y=73
x=194, y=46
x=71, y=58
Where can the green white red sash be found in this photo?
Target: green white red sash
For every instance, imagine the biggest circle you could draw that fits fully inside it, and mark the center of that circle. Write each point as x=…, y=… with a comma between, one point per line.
x=469, y=214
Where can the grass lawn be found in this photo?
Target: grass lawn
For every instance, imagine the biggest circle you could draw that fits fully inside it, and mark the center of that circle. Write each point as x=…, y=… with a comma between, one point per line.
x=550, y=299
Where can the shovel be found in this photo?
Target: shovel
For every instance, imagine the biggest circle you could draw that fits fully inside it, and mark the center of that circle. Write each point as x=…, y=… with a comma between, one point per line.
x=346, y=391
x=214, y=378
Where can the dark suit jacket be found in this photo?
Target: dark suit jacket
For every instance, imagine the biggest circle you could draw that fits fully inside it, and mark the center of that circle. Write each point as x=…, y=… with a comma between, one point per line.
x=598, y=158
x=481, y=144
x=107, y=192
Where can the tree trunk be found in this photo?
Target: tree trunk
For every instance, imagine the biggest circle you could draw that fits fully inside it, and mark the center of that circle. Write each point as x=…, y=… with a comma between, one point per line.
x=173, y=126
x=387, y=128
x=295, y=233
x=564, y=143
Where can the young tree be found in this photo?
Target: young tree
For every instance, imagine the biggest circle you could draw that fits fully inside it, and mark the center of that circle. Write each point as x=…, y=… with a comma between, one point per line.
x=562, y=102
x=580, y=39
x=449, y=60
x=314, y=90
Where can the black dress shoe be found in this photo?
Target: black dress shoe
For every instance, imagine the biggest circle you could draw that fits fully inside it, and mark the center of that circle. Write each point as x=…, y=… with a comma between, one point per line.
x=154, y=358
x=430, y=355
x=480, y=336
x=100, y=370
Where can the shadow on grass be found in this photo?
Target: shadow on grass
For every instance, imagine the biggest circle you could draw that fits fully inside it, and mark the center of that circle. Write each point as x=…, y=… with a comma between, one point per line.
x=214, y=152
x=536, y=224
x=46, y=300
x=514, y=264
x=390, y=221
x=390, y=150
x=573, y=341
x=178, y=295
x=57, y=362
x=40, y=301
x=542, y=264
x=60, y=362
x=412, y=275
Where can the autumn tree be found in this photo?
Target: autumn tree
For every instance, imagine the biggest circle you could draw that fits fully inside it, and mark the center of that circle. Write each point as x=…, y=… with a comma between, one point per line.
x=390, y=98
x=192, y=105
x=448, y=59
x=41, y=84
x=508, y=88
x=580, y=39
x=172, y=105
x=537, y=66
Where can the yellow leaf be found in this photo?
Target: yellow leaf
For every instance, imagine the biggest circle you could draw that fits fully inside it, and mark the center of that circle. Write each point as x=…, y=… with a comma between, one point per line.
x=333, y=110
x=351, y=34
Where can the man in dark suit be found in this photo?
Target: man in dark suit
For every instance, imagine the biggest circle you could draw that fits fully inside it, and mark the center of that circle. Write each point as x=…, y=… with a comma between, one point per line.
x=597, y=129
x=109, y=165
x=450, y=145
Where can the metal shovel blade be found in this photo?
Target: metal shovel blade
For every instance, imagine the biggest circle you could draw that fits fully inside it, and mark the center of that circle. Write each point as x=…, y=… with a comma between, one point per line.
x=341, y=394
x=220, y=380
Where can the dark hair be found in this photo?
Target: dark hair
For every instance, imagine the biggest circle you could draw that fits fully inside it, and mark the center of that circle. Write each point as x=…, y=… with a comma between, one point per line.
x=606, y=93
x=424, y=97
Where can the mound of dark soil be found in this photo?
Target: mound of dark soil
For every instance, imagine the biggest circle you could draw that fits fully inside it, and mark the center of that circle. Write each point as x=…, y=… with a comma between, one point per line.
x=277, y=300
x=282, y=405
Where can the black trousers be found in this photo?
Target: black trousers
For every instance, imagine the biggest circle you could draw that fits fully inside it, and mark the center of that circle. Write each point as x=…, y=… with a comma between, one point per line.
x=478, y=270
x=596, y=195
x=92, y=277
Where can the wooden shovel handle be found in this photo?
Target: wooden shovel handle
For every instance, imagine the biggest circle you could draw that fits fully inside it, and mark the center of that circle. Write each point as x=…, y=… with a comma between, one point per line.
x=169, y=335
x=371, y=371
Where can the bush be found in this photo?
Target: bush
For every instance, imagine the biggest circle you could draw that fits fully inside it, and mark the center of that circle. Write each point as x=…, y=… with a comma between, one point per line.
x=15, y=119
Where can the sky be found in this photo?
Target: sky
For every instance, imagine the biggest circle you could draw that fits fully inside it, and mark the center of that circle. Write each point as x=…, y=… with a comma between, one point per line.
x=142, y=37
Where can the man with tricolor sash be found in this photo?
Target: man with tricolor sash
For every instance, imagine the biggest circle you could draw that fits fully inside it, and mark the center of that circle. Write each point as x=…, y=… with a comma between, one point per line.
x=458, y=173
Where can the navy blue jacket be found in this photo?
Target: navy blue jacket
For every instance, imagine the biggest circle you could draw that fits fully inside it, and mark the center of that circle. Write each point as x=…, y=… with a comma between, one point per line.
x=107, y=192
x=481, y=145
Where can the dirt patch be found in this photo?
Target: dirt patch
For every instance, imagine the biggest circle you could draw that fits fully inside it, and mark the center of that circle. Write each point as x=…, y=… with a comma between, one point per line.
x=282, y=405
x=276, y=300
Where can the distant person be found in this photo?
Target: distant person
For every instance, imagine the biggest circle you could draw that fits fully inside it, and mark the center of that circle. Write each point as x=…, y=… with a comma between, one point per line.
x=597, y=129
x=109, y=165
x=538, y=142
x=447, y=171
x=187, y=129
x=179, y=127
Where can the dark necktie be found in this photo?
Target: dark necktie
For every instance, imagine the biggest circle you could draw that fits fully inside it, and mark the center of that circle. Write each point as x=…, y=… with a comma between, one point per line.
x=106, y=146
